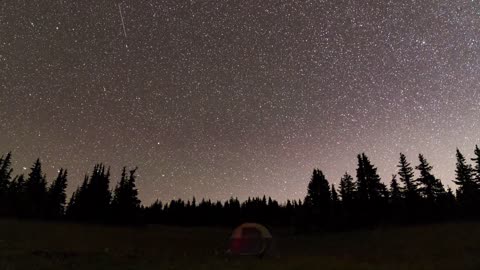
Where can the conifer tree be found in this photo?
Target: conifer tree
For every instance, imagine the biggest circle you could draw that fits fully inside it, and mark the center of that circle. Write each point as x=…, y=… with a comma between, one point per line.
x=5, y=177
x=334, y=195
x=430, y=187
x=335, y=201
x=395, y=191
x=476, y=159
x=57, y=196
x=361, y=184
x=5, y=173
x=405, y=171
x=467, y=188
x=125, y=203
x=376, y=190
x=36, y=191
x=318, y=193
x=347, y=189
x=318, y=199
x=16, y=196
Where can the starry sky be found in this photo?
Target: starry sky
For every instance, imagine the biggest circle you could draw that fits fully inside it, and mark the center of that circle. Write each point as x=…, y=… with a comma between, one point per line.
x=237, y=98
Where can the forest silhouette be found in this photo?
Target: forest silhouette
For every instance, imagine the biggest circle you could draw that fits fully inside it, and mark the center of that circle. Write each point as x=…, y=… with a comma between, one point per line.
x=358, y=202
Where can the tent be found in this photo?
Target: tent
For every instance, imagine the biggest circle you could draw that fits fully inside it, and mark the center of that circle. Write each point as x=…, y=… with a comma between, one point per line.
x=250, y=239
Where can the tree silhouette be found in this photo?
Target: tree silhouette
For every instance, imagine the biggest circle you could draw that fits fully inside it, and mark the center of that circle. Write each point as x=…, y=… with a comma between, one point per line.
x=77, y=207
x=36, y=191
x=361, y=184
x=5, y=173
x=396, y=195
x=318, y=192
x=5, y=177
x=476, y=159
x=125, y=203
x=318, y=199
x=372, y=194
x=405, y=171
x=376, y=190
x=364, y=202
x=430, y=187
x=57, y=196
x=347, y=189
x=467, y=188
x=16, y=196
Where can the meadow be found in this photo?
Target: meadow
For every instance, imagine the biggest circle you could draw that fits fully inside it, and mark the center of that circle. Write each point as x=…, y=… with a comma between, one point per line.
x=43, y=245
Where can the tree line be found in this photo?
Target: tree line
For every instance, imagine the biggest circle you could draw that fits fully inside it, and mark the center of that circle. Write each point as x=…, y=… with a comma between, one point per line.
x=361, y=201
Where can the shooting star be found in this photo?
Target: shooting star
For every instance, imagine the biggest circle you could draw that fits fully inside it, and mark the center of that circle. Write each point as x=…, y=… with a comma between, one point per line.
x=123, y=23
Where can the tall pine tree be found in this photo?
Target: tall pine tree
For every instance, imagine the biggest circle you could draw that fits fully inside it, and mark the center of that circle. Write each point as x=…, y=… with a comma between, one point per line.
x=467, y=188
x=36, y=191
x=5, y=178
x=318, y=199
x=405, y=171
x=125, y=203
x=57, y=196
x=476, y=159
x=430, y=187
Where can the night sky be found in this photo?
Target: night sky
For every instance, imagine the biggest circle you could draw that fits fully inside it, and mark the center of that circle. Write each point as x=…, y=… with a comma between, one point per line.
x=237, y=98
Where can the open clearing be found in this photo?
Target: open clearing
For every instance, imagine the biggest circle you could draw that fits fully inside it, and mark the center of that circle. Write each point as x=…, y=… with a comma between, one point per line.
x=38, y=245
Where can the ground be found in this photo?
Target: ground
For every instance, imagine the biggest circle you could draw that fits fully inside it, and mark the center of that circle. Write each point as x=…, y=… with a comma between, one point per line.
x=39, y=245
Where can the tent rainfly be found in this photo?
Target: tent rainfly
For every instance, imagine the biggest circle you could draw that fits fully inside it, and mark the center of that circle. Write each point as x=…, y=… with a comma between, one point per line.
x=250, y=239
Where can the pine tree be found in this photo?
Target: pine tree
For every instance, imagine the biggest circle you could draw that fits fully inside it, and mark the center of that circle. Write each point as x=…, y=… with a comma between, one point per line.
x=335, y=201
x=334, y=195
x=347, y=189
x=36, y=191
x=98, y=195
x=361, y=184
x=5, y=177
x=467, y=188
x=376, y=190
x=476, y=159
x=57, y=196
x=430, y=187
x=407, y=178
x=125, y=203
x=16, y=196
x=318, y=193
x=395, y=191
x=5, y=173
x=318, y=199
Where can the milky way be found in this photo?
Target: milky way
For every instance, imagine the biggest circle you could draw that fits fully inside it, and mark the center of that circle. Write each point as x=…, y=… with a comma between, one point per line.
x=237, y=98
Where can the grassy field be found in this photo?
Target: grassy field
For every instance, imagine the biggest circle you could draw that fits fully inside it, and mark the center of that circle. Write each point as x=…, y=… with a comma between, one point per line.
x=36, y=245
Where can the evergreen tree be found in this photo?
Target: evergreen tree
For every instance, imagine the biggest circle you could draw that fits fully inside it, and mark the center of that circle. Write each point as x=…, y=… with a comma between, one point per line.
x=335, y=201
x=318, y=193
x=476, y=159
x=16, y=196
x=36, y=191
x=395, y=191
x=5, y=173
x=467, y=188
x=91, y=201
x=56, y=195
x=372, y=193
x=376, y=190
x=334, y=195
x=125, y=203
x=347, y=189
x=5, y=177
x=407, y=178
x=430, y=187
x=318, y=199
x=361, y=184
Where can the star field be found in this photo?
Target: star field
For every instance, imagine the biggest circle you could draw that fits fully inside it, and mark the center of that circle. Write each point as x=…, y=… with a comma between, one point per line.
x=237, y=98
